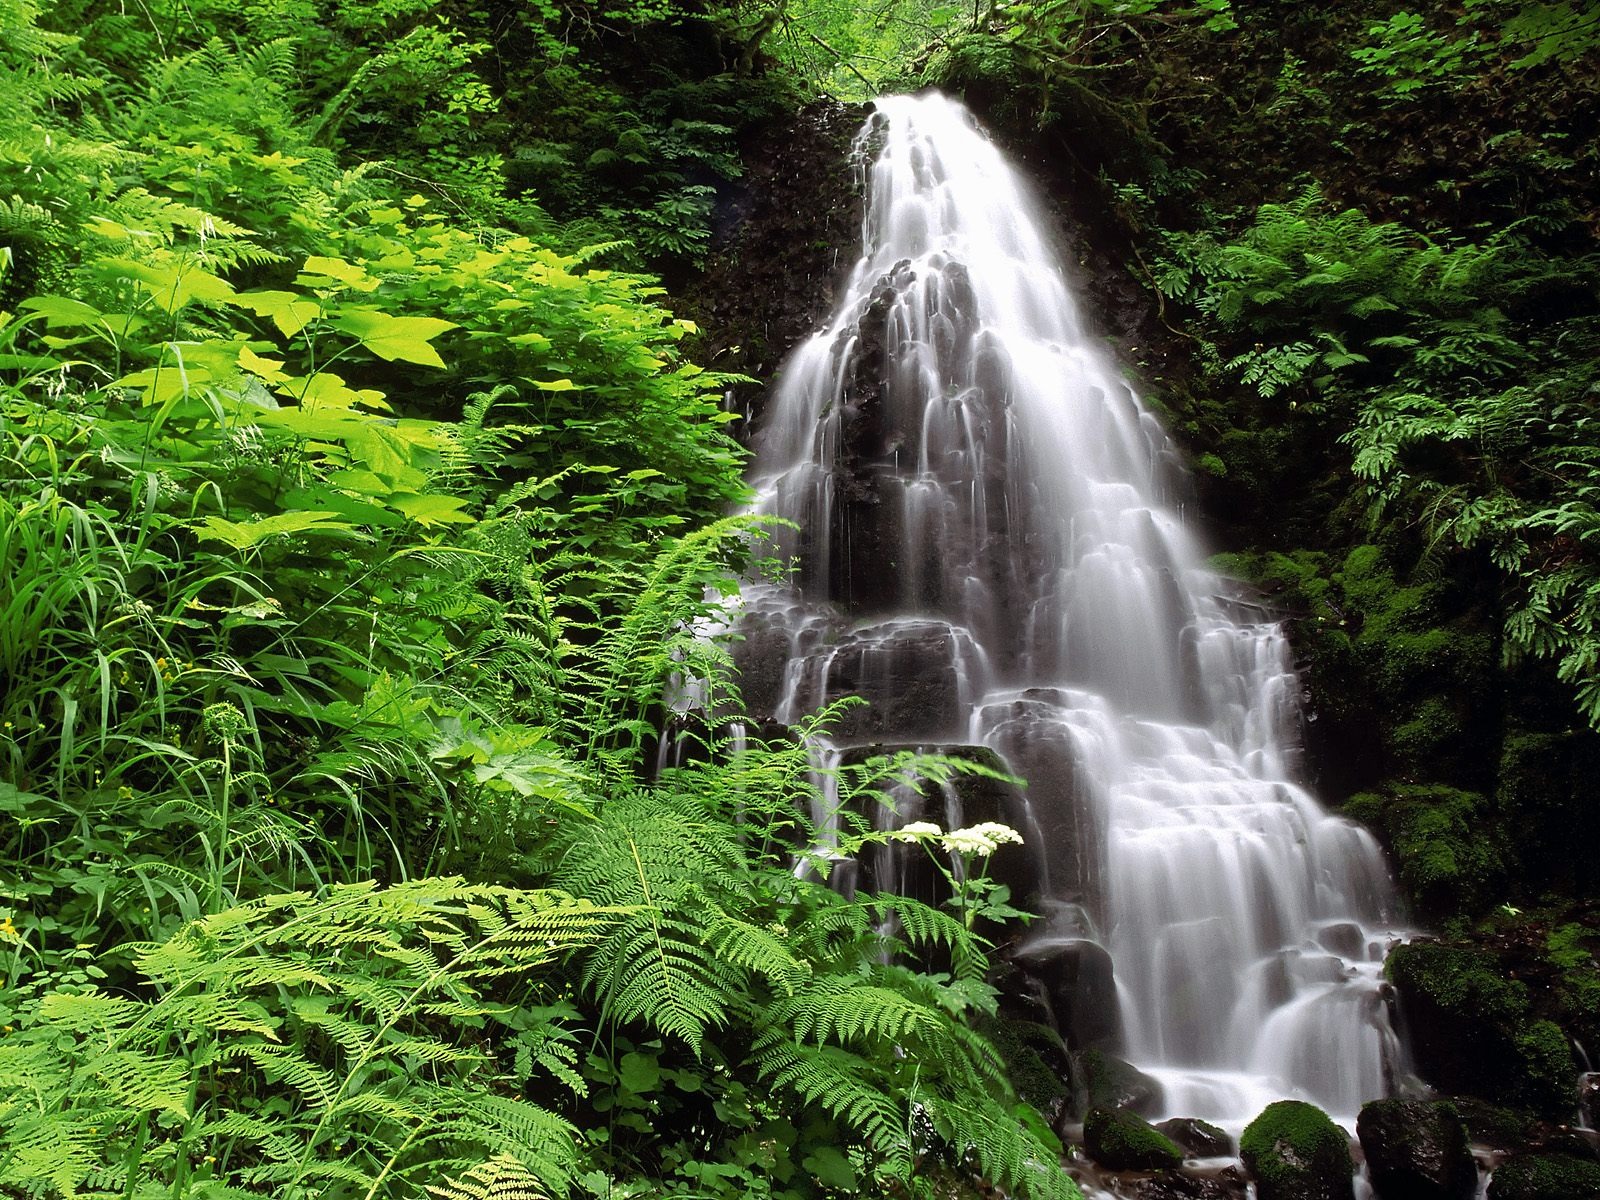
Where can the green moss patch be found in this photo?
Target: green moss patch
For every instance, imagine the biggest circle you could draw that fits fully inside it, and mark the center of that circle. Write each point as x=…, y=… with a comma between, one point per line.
x=1295, y=1152
x=1123, y=1141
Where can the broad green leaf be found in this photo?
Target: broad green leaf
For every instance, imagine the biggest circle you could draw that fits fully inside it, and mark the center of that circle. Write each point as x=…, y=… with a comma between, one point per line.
x=59, y=311
x=172, y=285
x=556, y=385
x=325, y=390
x=269, y=369
x=241, y=535
x=431, y=510
x=393, y=338
x=166, y=382
x=289, y=312
x=317, y=270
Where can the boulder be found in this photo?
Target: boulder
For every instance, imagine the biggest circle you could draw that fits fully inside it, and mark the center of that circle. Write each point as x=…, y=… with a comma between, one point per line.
x=1076, y=975
x=1474, y=1029
x=1111, y=1082
x=1201, y=1139
x=1294, y=1151
x=1545, y=1177
x=1227, y=1184
x=1123, y=1141
x=1417, y=1150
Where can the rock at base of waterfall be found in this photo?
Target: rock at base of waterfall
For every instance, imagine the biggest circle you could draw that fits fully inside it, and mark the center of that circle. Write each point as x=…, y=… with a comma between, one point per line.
x=1077, y=978
x=1417, y=1150
x=1475, y=1027
x=1545, y=1177
x=1111, y=1082
x=1294, y=1151
x=1123, y=1141
x=1226, y=1184
x=1201, y=1139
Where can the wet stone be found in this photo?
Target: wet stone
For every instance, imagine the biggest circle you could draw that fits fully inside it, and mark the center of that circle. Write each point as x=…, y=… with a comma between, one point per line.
x=1226, y=1184
x=1199, y=1138
x=1114, y=1082
x=1344, y=938
x=1417, y=1150
x=1079, y=982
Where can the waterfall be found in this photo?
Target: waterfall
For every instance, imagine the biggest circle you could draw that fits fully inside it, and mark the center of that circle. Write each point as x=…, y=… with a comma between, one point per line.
x=989, y=548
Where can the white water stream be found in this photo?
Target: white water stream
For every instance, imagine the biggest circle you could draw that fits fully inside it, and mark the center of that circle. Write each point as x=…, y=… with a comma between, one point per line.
x=991, y=550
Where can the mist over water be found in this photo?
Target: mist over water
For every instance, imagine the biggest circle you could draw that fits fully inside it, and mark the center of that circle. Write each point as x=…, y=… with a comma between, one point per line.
x=991, y=550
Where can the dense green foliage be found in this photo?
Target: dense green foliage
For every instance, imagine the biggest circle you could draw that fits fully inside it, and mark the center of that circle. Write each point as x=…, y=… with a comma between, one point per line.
x=358, y=532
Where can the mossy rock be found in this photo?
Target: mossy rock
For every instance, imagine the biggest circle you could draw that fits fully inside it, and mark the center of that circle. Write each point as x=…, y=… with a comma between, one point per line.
x=1111, y=1082
x=1493, y=1124
x=1445, y=845
x=1294, y=1151
x=1545, y=1177
x=1123, y=1141
x=1473, y=1030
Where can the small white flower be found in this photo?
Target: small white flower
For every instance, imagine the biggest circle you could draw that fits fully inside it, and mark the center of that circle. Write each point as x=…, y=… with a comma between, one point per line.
x=997, y=833
x=984, y=838
x=917, y=830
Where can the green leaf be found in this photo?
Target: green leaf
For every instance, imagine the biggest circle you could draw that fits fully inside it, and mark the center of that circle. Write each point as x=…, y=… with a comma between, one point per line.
x=394, y=338
x=432, y=510
x=325, y=390
x=59, y=311
x=830, y=1168
x=640, y=1073
x=319, y=271
x=289, y=312
x=173, y=285
x=242, y=535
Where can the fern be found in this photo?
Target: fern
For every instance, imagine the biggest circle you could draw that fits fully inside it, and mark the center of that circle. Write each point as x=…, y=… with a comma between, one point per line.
x=501, y=1178
x=292, y=1026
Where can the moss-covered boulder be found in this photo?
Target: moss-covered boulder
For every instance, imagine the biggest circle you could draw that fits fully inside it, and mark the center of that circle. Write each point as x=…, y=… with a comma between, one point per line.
x=1417, y=1150
x=1120, y=1140
x=1111, y=1082
x=1294, y=1151
x=1545, y=1177
x=1473, y=1029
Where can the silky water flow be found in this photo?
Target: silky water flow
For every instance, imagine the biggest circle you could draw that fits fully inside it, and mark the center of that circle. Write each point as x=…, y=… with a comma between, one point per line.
x=989, y=548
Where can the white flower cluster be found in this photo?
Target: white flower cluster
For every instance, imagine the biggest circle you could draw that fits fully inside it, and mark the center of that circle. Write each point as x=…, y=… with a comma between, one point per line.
x=984, y=838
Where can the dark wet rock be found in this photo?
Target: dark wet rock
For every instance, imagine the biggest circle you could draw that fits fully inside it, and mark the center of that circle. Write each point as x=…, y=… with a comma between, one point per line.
x=1546, y=1138
x=1124, y=1141
x=1199, y=1138
x=1344, y=938
x=783, y=240
x=1111, y=1082
x=1294, y=1151
x=1473, y=1029
x=1227, y=1184
x=1545, y=1177
x=910, y=674
x=1493, y=1125
x=1417, y=1150
x=1077, y=979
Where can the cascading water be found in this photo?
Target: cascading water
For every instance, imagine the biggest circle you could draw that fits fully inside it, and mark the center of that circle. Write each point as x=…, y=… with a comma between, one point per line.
x=989, y=551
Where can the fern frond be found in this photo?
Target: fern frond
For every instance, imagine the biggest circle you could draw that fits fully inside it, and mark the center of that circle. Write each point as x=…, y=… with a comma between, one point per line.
x=501, y=1178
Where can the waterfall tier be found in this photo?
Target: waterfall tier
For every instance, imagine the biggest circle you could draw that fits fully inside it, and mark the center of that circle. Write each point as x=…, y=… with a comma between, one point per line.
x=990, y=549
